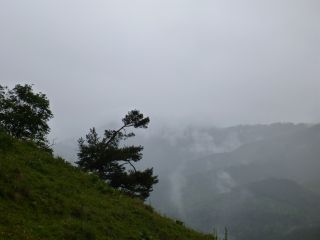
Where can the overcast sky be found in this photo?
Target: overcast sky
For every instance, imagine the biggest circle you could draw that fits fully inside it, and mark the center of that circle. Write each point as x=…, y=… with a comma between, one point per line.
x=199, y=62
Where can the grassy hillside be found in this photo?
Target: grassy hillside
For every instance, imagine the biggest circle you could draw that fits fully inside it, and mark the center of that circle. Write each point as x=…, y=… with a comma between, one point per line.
x=42, y=197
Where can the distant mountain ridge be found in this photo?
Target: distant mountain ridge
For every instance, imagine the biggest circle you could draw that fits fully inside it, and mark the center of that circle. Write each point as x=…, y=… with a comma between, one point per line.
x=205, y=172
x=205, y=185
x=266, y=209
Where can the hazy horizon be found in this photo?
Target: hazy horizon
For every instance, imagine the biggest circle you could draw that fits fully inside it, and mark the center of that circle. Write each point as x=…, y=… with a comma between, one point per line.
x=196, y=68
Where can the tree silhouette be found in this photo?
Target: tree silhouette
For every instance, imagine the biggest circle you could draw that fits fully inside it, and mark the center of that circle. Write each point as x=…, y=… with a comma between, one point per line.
x=25, y=114
x=113, y=161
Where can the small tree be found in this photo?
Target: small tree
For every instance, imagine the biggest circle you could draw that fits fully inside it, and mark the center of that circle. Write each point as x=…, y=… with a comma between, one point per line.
x=110, y=160
x=24, y=114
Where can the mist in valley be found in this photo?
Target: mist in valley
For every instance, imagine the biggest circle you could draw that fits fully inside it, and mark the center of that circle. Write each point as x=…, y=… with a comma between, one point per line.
x=231, y=87
x=262, y=176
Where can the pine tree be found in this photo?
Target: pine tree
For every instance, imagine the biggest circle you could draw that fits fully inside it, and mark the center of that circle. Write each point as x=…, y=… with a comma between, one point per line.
x=113, y=161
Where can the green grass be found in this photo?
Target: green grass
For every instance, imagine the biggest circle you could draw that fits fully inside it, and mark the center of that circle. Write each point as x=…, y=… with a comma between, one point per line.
x=42, y=197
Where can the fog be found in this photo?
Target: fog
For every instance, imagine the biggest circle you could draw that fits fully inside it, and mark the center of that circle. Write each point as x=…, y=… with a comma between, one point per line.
x=211, y=75
x=181, y=62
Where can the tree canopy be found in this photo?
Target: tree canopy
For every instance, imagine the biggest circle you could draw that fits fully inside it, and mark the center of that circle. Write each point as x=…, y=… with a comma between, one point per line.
x=114, y=161
x=25, y=114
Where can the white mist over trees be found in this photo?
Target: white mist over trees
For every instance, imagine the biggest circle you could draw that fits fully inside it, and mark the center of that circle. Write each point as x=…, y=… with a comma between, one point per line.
x=190, y=65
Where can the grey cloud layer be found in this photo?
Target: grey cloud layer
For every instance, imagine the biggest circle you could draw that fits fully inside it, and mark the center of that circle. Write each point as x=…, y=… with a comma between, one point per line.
x=190, y=62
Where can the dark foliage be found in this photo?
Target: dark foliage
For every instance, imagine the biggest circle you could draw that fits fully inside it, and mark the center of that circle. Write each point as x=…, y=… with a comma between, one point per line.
x=107, y=158
x=24, y=114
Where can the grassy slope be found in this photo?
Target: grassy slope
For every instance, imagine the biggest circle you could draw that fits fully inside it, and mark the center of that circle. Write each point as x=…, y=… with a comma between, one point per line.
x=45, y=198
